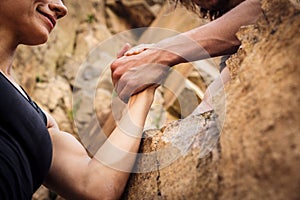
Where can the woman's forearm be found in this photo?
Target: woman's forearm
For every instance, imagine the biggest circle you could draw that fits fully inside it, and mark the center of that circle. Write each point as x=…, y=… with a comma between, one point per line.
x=117, y=155
x=127, y=134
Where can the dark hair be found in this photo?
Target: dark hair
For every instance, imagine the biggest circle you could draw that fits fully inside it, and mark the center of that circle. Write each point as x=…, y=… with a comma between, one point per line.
x=214, y=11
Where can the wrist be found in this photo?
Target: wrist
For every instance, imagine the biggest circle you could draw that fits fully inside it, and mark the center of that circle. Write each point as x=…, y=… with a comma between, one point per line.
x=142, y=99
x=139, y=106
x=165, y=57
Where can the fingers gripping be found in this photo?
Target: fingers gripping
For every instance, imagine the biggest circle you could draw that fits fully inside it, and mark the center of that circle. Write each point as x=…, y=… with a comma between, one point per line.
x=125, y=48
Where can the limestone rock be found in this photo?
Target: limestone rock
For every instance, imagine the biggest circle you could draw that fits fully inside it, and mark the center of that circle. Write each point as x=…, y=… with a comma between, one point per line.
x=139, y=13
x=177, y=162
x=103, y=101
x=260, y=159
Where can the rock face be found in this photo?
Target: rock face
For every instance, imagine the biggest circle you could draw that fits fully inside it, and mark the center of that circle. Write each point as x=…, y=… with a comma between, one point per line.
x=258, y=154
x=181, y=166
x=260, y=159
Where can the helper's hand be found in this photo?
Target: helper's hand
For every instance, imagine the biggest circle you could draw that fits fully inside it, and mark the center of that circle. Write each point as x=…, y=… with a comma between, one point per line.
x=123, y=51
x=137, y=49
x=140, y=69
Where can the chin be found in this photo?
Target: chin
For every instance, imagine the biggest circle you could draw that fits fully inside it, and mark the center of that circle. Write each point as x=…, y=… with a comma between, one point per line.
x=42, y=41
x=38, y=40
x=35, y=43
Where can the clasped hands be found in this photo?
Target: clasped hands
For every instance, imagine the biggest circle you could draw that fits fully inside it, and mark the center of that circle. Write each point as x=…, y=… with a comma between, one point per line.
x=136, y=69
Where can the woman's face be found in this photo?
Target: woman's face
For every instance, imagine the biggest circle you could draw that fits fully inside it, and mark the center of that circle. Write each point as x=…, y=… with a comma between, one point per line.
x=30, y=21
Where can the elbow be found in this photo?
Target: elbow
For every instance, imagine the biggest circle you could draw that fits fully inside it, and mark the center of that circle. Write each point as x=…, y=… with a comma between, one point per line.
x=104, y=190
x=114, y=189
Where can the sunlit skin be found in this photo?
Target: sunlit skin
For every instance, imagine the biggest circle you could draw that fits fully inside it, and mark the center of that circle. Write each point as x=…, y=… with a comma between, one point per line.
x=73, y=174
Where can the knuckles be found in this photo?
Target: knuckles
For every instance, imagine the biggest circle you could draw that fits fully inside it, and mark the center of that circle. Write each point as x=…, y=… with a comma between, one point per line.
x=114, y=66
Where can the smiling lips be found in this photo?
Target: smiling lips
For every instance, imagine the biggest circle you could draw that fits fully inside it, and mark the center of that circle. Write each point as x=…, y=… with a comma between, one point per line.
x=49, y=17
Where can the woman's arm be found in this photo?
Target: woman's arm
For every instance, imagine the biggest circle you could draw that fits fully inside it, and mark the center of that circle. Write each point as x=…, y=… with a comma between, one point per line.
x=74, y=175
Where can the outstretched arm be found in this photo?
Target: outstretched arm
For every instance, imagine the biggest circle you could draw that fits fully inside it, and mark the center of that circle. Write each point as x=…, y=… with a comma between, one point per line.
x=132, y=74
x=74, y=175
x=213, y=39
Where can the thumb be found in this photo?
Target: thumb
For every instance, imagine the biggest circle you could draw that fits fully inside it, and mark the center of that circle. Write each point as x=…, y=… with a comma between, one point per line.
x=125, y=48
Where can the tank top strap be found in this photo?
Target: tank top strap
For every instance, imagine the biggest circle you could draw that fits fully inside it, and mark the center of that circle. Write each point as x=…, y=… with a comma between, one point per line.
x=36, y=107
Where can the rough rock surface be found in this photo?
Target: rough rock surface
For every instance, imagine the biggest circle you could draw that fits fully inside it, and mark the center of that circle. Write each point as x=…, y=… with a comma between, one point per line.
x=260, y=140
x=173, y=160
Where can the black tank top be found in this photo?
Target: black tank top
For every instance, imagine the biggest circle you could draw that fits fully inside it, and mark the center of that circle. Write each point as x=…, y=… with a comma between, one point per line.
x=25, y=144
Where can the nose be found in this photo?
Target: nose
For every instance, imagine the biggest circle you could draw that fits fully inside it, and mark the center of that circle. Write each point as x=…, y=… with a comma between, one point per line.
x=59, y=9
